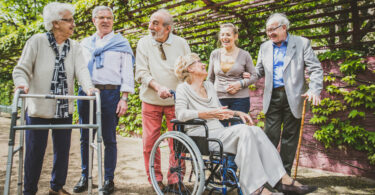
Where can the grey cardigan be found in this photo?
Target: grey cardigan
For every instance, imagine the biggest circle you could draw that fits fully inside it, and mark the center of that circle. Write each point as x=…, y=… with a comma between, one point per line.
x=35, y=69
x=189, y=104
x=221, y=80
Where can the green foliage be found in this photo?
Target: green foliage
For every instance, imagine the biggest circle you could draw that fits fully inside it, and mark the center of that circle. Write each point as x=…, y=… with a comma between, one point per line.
x=356, y=98
x=131, y=123
x=260, y=118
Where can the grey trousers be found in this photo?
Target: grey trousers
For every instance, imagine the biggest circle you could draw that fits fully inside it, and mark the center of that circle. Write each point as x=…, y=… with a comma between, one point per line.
x=279, y=113
x=258, y=160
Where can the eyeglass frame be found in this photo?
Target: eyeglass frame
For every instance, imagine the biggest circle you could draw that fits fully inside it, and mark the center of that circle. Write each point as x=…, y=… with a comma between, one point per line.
x=273, y=29
x=70, y=20
x=102, y=18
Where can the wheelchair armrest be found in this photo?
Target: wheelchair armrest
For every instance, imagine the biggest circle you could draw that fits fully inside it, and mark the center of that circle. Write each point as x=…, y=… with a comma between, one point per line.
x=196, y=121
x=233, y=119
x=220, y=145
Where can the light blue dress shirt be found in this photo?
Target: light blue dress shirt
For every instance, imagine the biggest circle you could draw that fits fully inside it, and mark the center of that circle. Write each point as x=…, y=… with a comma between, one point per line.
x=278, y=63
x=118, y=67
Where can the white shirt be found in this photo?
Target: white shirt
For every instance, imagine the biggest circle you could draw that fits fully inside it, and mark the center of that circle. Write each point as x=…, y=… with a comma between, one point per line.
x=118, y=67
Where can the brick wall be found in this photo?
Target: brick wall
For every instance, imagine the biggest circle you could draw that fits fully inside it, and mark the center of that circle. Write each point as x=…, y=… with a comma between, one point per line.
x=313, y=153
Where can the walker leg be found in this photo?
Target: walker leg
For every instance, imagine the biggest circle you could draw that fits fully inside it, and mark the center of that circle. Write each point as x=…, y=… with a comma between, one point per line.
x=90, y=149
x=21, y=149
x=20, y=164
x=8, y=173
x=99, y=148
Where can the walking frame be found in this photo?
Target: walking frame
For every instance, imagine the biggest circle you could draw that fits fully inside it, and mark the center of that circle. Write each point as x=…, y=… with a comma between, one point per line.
x=13, y=128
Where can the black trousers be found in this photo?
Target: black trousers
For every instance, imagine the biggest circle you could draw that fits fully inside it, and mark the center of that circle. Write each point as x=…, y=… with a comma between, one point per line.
x=280, y=115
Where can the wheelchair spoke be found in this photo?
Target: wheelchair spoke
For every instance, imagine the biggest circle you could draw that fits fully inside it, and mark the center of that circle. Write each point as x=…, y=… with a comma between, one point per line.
x=172, y=157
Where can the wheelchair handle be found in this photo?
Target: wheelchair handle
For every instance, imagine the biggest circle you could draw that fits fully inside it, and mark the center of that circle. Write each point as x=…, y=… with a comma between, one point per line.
x=171, y=91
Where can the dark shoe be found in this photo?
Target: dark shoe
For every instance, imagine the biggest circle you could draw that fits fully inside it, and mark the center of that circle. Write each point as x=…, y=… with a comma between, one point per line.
x=260, y=190
x=292, y=189
x=230, y=178
x=161, y=186
x=60, y=192
x=108, y=187
x=81, y=186
x=175, y=188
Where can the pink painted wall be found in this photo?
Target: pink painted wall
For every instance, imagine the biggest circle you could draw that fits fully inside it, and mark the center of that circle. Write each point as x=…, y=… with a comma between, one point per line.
x=313, y=153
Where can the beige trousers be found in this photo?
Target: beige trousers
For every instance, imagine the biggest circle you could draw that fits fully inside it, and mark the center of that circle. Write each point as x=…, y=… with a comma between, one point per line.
x=257, y=158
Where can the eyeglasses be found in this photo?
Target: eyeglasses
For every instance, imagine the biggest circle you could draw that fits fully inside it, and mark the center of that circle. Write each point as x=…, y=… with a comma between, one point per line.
x=103, y=18
x=70, y=20
x=163, y=56
x=270, y=30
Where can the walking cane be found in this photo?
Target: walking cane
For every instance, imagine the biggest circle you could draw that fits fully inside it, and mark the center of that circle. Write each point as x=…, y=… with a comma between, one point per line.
x=300, y=136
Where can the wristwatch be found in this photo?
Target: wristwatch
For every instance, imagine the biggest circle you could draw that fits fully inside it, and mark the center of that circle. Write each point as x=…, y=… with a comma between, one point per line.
x=124, y=98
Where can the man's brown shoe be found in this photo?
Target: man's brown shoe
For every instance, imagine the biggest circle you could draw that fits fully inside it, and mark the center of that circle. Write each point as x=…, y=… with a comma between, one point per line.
x=60, y=192
x=175, y=188
x=161, y=186
x=293, y=189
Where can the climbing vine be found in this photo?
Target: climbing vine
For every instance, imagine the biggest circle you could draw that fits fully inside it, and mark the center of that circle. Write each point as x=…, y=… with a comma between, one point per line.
x=351, y=100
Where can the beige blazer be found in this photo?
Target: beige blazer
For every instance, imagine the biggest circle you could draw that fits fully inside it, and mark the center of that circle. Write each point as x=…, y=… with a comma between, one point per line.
x=299, y=57
x=35, y=70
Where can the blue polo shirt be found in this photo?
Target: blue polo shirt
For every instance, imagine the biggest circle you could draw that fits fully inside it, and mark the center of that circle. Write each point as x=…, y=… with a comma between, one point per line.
x=278, y=63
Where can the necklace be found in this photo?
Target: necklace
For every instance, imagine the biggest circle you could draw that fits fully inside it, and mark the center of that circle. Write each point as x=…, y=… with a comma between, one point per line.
x=228, y=59
x=229, y=53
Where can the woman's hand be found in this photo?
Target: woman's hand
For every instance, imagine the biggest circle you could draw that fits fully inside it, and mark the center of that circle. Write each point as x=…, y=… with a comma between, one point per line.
x=91, y=91
x=244, y=117
x=22, y=87
x=234, y=87
x=222, y=113
x=246, y=75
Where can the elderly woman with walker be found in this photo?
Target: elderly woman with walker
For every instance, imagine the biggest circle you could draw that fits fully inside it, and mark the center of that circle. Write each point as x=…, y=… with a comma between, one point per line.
x=49, y=64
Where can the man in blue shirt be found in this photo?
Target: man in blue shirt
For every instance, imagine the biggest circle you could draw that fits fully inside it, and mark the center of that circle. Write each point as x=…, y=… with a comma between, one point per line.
x=110, y=63
x=283, y=61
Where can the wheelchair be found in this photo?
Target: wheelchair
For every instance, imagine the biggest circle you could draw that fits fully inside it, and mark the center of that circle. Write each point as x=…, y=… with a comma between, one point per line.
x=185, y=160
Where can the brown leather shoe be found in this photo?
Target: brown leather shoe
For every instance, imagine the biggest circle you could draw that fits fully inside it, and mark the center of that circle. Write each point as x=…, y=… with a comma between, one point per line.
x=60, y=192
x=260, y=192
x=161, y=186
x=289, y=189
x=175, y=188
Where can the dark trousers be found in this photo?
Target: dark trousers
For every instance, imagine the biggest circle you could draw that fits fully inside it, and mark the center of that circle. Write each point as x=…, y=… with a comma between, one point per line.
x=36, y=143
x=109, y=101
x=239, y=104
x=279, y=113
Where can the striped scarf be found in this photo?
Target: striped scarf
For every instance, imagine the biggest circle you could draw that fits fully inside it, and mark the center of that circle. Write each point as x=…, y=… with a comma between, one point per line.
x=59, y=84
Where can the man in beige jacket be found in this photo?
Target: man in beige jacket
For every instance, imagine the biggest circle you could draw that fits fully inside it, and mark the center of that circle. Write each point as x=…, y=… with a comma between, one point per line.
x=156, y=55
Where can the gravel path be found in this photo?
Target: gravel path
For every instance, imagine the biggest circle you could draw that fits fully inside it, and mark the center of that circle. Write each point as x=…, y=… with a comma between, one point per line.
x=130, y=177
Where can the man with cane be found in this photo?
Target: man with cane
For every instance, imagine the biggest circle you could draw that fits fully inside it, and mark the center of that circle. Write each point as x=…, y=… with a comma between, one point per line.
x=283, y=61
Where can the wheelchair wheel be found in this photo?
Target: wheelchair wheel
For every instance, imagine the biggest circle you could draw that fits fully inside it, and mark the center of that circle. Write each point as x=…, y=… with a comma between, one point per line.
x=176, y=161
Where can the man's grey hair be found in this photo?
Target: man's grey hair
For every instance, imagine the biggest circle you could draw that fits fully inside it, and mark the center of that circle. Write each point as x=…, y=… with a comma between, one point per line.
x=52, y=12
x=101, y=8
x=280, y=18
x=167, y=17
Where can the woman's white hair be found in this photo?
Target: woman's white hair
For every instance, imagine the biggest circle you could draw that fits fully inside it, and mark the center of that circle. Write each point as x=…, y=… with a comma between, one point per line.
x=52, y=12
x=280, y=18
x=101, y=8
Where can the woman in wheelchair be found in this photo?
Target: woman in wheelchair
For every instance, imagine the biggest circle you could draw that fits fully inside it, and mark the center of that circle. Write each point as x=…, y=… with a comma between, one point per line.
x=258, y=160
